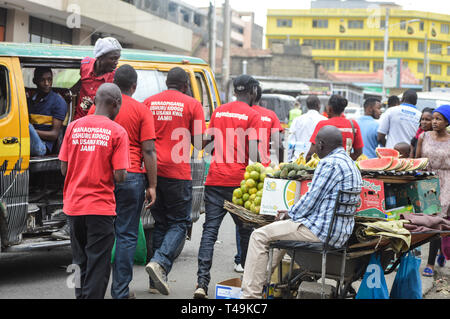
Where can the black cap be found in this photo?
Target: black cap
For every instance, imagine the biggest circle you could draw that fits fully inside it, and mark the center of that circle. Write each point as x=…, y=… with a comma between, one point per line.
x=244, y=83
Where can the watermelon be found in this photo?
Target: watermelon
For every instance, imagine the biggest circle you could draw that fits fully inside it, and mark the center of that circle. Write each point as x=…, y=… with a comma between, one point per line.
x=375, y=164
x=418, y=163
x=396, y=164
x=405, y=164
x=386, y=152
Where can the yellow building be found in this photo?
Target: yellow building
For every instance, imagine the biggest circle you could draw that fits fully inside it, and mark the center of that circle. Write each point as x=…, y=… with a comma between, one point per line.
x=352, y=40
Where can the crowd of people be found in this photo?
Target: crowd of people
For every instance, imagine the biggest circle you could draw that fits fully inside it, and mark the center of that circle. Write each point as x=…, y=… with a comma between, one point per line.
x=119, y=154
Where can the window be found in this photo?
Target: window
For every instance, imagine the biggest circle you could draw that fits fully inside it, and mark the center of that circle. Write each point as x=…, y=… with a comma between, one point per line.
x=204, y=95
x=435, y=69
x=444, y=28
x=378, y=45
x=198, y=20
x=405, y=64
x=327, y=64
x=320, y=44
x=420, y=67
x=420, y=46
x=402, y=25
x=355, y=24
x=400, y=45
x=4, y=91
x=421, y=26
x=354, y=45
x=448, y=69
x=354, y=65
x=41, y=31
x=3, y=12
x=320, y=23
x=377, y=65
x=435, y=48
x=382, y=23
x=284, y=23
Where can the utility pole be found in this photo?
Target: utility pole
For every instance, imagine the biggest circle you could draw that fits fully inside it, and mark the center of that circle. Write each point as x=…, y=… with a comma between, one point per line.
x=386, y=46
x=425, y=63
x=226, y=47
x=212, y=35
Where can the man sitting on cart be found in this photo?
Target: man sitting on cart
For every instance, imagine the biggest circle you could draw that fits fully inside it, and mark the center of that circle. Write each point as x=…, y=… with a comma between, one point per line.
x=309, y=219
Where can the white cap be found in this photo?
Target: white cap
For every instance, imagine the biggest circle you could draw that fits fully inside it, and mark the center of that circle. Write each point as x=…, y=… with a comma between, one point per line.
x=106, y=45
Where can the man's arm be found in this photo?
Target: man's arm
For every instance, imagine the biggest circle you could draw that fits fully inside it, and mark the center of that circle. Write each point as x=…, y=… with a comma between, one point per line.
x=63, y=168
x=150, y=162
x=356, y=153
x=381, y=139
x=120, y=175
x=51, y=135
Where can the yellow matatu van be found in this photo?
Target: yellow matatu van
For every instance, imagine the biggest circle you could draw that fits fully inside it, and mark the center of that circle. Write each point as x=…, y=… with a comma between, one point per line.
x=31, y=187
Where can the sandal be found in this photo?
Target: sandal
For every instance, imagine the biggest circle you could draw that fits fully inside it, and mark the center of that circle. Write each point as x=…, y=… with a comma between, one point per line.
x=441, y=260
x=428, y=272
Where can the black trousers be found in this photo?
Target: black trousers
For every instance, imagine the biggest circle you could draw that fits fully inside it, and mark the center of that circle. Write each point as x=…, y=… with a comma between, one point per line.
x=435, y=245
x=92, y=240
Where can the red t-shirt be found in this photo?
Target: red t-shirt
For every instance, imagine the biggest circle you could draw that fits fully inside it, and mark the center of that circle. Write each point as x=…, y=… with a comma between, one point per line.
x=93, y=147
x=90, y=83
x=345, y=127
x=270, y=123
x=177, y=117
x=231, y=155
x=135, y=118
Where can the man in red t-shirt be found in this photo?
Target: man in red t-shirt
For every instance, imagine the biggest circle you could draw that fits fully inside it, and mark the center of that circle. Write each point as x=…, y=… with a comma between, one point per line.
x=351, y=133
x=271, y=132
x=94, y=155
x=135, y=118
x=96, y=71
x=234, y=131
x=179, y=121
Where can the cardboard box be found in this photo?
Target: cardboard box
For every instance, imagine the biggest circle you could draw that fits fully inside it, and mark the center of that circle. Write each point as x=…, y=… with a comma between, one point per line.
x=394, y=213
x=229, y=289
x=279, y=194
x=372, y=197
x=422, y=194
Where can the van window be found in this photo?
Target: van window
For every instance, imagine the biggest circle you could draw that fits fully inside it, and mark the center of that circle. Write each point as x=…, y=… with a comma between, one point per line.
x=151, y=82
x=4, y=91
x=204, y=95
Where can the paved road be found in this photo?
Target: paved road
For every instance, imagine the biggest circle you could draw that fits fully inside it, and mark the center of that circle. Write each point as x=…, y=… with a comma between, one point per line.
x=42, y=275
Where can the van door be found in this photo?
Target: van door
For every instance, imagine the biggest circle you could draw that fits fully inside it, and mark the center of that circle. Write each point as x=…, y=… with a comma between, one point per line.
x=14, y=152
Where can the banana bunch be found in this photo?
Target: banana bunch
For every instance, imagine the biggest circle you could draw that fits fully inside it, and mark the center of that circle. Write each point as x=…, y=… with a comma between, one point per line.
x=313, y=161
x=300, y=160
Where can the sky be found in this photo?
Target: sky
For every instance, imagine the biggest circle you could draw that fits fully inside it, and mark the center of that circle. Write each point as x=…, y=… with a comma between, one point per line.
x=260, y=6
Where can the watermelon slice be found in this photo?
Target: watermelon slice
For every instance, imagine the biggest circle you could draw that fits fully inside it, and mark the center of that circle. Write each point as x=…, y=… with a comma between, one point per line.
x=405, y=164
x=418, y=163
x=375, y=164
x=396, y=164
x=386, y=152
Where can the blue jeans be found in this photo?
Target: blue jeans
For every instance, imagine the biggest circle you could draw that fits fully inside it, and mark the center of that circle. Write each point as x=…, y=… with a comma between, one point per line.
x=37, y=146
x=237, y=257
x=214, y=214
x=172, y=214
x=130, y=196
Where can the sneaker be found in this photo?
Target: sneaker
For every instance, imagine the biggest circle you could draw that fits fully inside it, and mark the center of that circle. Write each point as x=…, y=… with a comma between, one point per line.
x=131, y=295
x=151, y=287
x=62, y=234
x=201, y=292
x=159, y=277
x=238, y=268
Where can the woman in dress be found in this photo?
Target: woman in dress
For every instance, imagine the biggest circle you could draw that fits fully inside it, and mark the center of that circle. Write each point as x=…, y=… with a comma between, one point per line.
x=435, y=145
x=425, y=126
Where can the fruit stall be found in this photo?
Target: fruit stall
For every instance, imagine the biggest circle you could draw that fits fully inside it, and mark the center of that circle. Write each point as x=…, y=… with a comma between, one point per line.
x=391, y=186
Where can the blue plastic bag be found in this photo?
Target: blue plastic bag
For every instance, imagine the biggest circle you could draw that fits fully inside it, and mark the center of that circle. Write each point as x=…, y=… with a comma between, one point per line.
x=407, y=283
x=373, y=285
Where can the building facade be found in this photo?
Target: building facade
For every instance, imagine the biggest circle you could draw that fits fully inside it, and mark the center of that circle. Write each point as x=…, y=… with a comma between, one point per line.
x=350, y=40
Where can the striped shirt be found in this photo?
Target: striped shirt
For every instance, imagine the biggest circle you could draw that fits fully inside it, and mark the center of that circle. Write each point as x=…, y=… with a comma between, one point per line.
x=314, y=210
